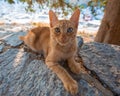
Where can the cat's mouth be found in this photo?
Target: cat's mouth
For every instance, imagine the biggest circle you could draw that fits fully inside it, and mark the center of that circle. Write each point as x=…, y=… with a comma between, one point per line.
x=62, y=43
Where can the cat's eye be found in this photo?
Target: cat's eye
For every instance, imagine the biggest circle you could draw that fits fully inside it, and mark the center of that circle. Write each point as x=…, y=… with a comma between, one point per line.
x=70, y=30
x=57, y=30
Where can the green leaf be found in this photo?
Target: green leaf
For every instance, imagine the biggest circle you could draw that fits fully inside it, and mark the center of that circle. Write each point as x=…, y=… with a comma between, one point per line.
x=22, y=0
x=11, y=1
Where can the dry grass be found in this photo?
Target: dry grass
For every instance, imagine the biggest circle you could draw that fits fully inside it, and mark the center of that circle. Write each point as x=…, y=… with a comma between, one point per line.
x=39, y=24
x=86, y=36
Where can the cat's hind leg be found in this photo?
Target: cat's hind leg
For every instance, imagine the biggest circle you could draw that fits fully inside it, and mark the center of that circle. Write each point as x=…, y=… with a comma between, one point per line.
x=75, y=67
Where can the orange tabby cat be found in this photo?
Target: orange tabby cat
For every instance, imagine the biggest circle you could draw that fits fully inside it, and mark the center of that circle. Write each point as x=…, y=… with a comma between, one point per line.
x=58, y=42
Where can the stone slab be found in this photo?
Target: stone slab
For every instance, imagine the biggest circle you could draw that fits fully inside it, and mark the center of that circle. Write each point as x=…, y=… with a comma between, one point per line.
x=104, y=61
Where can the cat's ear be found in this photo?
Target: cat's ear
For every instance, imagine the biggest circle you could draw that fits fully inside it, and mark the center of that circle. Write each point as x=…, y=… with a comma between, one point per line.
x=75, y=17
x=53, y=18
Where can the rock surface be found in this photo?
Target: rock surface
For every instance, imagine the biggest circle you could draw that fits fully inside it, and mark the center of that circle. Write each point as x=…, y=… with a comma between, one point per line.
x=104, y=61
x=24, y=73
x=1, y=47
x=13, y=39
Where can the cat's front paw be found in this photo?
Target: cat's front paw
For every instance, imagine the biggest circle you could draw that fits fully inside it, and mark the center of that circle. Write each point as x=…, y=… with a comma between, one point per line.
x=71, y=87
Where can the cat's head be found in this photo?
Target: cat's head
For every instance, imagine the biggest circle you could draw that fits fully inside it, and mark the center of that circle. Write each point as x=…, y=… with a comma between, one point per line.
x=64, y=31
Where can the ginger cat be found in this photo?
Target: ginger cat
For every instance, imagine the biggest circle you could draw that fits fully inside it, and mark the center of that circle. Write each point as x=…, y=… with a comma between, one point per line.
x=57, y=42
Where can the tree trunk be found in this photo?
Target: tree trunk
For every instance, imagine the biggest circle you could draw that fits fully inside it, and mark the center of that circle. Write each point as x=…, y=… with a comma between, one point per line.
x=109, y=31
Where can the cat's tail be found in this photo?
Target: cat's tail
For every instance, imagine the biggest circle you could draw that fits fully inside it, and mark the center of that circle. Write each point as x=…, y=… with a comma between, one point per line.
x=21, y=38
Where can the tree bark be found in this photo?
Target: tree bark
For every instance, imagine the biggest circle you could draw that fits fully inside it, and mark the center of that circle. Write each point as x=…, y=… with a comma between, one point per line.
x=109, y=31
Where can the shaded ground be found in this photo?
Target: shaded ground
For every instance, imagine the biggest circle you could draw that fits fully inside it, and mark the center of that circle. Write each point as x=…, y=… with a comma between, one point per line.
x=23, y=73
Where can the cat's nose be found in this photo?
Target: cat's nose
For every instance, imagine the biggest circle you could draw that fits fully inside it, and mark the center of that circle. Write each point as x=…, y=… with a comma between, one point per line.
x=63, y=38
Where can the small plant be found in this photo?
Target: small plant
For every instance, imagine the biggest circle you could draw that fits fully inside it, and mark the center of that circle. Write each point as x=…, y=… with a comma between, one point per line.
x=97, y=3
x=62, y=6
